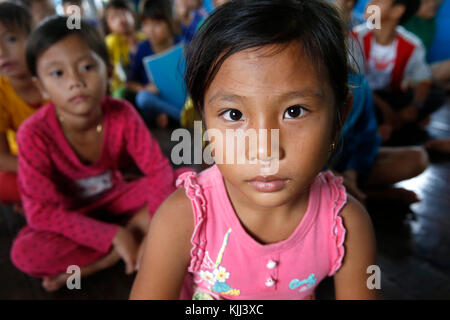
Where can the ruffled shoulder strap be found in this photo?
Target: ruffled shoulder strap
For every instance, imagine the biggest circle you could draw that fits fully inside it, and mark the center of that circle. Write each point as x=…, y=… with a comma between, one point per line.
x=338, y=199
x=194, y=191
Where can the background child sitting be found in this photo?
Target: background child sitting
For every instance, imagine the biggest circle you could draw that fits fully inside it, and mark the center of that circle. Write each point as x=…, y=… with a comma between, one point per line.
x=157, y=26
x=396, y=68
x=190, y=15
x=423, y=24
x=75, y=153
x=122, y=41
x=19, y=97
x=370, y=170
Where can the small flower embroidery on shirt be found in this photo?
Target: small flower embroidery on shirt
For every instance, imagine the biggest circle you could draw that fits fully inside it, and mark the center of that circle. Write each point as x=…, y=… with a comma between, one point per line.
x=221, y=274
x=217, y=278
x=208, y=277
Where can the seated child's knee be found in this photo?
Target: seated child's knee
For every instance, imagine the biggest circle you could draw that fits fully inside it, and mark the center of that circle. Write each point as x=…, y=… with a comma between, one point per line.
x=26, y=256
x=21, y=257
x=418, y=159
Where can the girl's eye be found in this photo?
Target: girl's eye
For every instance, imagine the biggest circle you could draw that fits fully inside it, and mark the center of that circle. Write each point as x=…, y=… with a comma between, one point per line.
x=88, y=67
x=294, y=112
x=232, y=115
x=57, y=73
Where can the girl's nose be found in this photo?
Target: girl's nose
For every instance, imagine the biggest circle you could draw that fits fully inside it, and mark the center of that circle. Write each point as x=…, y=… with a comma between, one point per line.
x=269, y=146
x=76, y=81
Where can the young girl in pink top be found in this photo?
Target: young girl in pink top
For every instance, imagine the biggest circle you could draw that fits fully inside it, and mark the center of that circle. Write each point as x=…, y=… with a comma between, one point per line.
x=240, y=233
x=83, y=204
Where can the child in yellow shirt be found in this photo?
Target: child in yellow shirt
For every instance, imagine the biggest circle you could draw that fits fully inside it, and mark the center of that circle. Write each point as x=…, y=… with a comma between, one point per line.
x=121, y=41
x=19, y=97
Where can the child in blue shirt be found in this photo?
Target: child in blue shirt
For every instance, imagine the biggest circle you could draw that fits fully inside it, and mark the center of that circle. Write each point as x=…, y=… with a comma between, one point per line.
x=190, y=15
x=158, y=29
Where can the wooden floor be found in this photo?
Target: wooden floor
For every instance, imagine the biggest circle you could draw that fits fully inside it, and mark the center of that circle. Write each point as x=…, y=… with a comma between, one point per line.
x=413, y=243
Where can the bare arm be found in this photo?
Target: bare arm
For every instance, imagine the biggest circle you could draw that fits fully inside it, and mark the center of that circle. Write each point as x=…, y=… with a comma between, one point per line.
x=8, y=162
x=167, y=251
x=134, y=86
x=350, y=280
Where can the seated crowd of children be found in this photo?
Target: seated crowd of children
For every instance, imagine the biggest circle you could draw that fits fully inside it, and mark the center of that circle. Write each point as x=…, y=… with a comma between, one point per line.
x=77, y=158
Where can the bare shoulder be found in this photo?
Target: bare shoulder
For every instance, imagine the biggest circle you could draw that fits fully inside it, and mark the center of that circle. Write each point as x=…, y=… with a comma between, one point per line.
x=360, y=253
x=167, y=250
x=175, y=213
x=360, y=241
x=355, y=216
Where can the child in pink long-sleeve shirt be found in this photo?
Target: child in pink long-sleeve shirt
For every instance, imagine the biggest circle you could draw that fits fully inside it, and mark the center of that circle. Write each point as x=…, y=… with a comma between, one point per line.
x=74, y=154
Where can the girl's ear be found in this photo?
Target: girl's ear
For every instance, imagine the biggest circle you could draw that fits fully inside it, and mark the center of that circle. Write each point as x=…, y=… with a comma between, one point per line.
x=37, y=82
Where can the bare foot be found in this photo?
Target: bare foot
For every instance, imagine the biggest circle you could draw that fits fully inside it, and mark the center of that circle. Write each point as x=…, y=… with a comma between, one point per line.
x=439, y=145
x=162, y=120
x=54, y=283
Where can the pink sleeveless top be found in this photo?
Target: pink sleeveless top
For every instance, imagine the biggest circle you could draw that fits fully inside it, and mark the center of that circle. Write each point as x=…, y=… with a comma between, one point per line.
x=227, y=263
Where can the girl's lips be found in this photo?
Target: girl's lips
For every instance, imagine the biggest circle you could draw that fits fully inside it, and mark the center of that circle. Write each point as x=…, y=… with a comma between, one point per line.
x=8, y=66
x=78, y=99
x=268, y=185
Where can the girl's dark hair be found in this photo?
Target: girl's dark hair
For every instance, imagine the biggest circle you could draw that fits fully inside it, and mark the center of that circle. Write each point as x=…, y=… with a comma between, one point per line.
x=15, y=16
x=411, y=7
x=54, y=29
x=243, y=24
x=115, y=4
x=157, y=10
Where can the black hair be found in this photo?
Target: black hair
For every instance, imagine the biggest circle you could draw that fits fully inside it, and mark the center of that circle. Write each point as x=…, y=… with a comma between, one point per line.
x=244, y=24
x=118, y=5
x=157, y=10
x=54, y=29
x=411, y=8
x=15, y=16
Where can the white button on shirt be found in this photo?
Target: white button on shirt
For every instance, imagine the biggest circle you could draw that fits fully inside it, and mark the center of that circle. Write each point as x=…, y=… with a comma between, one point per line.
x=270, y=282
x=271, y=264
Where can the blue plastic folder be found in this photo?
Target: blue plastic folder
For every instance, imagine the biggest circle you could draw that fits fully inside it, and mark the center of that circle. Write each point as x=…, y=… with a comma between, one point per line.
x=166, y=71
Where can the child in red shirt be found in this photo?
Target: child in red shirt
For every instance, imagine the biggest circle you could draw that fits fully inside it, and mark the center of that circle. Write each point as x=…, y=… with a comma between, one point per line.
x=396, y=68
x=73, y=158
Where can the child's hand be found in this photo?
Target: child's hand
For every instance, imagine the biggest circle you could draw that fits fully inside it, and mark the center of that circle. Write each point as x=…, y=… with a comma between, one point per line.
x=140, y=254
x=152, y=88
x=127, y=247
